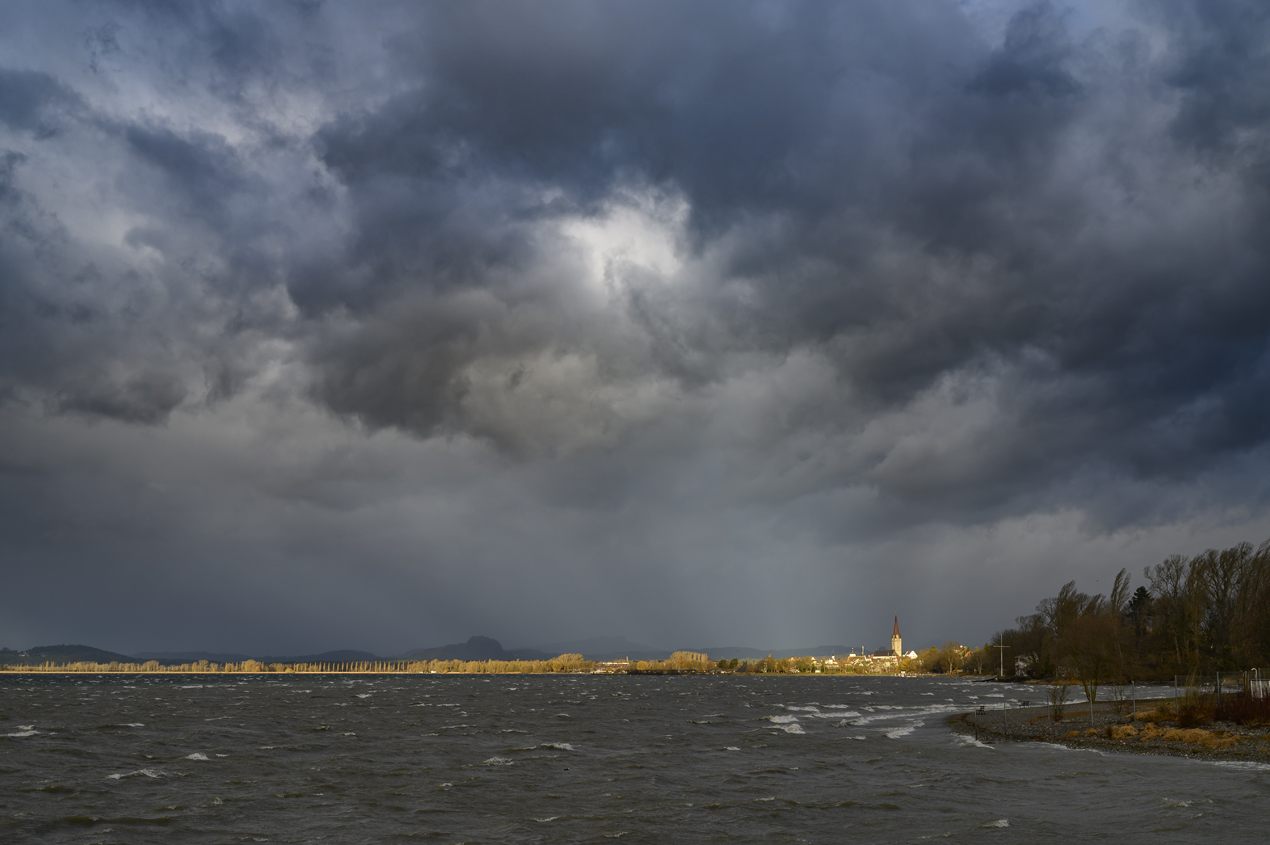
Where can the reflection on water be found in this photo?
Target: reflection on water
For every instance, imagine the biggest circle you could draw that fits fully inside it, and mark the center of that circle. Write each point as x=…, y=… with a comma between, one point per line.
x=136, y=759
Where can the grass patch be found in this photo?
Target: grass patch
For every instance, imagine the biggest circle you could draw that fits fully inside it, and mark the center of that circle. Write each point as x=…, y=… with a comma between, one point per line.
x=1121, y=731
x=1154, y=716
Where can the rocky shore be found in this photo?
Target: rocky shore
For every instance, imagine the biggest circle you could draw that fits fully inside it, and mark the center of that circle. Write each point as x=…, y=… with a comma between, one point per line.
x=1114, y=727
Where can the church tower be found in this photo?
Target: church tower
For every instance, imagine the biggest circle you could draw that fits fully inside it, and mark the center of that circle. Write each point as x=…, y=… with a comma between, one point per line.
x=896, y=643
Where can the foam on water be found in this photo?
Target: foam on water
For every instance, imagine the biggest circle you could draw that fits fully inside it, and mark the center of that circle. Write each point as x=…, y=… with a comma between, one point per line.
x=196, y=756
x=150, y=773
x=997, y=823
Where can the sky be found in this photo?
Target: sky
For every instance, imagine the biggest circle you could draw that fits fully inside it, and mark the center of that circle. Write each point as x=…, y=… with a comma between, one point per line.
x=380, y=325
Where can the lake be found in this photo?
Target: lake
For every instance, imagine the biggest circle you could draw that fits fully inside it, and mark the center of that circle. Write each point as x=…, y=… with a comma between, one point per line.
x=573, y=758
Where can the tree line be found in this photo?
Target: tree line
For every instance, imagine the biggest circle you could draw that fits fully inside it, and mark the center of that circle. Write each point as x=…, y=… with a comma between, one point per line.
x=1194, y=615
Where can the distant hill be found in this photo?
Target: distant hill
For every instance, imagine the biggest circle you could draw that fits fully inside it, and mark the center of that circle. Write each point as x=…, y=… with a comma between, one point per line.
x=477, y=648
x=62, y=654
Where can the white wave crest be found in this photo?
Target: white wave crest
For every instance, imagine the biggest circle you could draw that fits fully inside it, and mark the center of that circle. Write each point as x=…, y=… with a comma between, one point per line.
x=150, y=773
x=781, y=720
x=997, y=823
x=497, y=761
x=560, y=746
x=196, y=756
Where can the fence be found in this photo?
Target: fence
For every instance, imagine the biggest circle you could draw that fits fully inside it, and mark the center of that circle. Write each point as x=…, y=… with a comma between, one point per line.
x=1251, y=682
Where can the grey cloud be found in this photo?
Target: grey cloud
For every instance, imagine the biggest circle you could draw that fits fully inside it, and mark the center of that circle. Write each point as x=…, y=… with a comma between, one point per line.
x=35, y=102
x=146, y=398
x=1219, y=68
x=920, y=221
x=684, y=293
x=200, y=170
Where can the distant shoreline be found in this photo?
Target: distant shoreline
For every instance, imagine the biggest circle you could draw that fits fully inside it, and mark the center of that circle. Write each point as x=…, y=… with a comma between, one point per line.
x=37, y=670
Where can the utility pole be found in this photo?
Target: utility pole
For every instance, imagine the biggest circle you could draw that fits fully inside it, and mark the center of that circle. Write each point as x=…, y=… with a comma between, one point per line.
x=1001, y=652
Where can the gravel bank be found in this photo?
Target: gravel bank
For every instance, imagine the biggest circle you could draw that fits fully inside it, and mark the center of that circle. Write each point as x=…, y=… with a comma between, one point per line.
x=1151, y=733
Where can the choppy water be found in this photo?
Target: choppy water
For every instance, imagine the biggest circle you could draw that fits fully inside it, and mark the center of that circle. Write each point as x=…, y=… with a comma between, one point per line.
x=138, y=759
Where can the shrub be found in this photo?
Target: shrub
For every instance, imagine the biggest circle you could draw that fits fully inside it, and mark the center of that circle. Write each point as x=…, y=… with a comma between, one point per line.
x=1243, y=709
x=1192, y=715
x=1057, y=693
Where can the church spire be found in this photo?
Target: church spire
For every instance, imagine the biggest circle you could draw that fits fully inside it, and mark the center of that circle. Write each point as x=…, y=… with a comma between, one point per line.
x=897, y=627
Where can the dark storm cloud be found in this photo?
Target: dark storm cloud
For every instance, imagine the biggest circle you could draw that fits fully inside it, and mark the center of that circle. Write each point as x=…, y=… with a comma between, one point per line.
x=671, y=289
x=200, y=171
x=878, y=185
x=34, y=102
x=921, y=206
x=59, y=338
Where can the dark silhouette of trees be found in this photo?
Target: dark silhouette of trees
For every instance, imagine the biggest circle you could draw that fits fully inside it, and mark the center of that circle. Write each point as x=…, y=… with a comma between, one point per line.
x=1201, y=614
